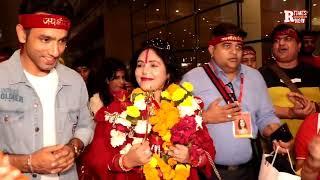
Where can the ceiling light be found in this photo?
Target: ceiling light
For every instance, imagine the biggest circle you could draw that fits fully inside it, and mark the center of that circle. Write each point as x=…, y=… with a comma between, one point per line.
x=184, y=30
x=314, y=4
x=281, y=12
x=278, y=21
x=284, y=0
x=203, y=18
x=207, y=21
x=177, y=11
x=199, y=9
x=157, y=9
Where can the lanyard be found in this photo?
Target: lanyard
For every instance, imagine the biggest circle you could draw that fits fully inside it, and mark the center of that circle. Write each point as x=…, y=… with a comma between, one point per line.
x=229, y=87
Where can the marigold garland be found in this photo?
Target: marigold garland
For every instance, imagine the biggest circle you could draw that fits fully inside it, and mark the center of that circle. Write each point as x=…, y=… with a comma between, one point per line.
x=177, y=102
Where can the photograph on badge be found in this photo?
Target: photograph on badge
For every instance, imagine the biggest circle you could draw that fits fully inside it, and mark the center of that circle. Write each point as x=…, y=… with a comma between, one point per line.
x=242, y=127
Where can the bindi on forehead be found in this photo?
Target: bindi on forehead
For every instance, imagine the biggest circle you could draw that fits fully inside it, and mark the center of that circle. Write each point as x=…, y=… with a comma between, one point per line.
x=147, y=56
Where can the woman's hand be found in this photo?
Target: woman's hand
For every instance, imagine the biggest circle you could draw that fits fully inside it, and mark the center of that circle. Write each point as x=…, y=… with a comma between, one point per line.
x=180, y=153
x=7, y=171
x=138, y=155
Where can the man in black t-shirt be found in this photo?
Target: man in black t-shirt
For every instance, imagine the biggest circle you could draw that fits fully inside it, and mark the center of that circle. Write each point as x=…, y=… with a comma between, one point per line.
x=291, y=107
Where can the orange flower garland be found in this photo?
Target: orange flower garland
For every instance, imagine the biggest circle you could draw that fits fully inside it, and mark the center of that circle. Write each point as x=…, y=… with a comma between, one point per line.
x=162, y=122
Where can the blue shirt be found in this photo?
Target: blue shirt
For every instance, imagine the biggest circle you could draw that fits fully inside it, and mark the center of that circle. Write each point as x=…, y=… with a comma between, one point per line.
x=231, y=150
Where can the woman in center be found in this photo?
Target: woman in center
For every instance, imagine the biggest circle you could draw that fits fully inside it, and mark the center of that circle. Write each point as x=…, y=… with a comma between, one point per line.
x=161, y=135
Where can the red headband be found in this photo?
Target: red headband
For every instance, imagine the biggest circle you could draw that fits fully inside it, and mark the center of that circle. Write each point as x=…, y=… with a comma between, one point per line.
x=248, y=51
x=44, y=21
x=216, y=40
x=289, y=32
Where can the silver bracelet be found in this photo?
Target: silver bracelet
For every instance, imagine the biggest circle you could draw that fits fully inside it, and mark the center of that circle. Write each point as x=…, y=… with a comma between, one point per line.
x=29, y=162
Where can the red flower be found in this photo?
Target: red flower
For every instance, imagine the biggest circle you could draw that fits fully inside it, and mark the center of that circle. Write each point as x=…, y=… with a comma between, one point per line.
x=182, y=131
x=195, y=153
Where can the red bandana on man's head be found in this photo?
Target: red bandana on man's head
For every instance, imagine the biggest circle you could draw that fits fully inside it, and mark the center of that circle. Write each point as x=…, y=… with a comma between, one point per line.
x=248, y=51
x=44, y=21
x=216, y=40
x=289, y=32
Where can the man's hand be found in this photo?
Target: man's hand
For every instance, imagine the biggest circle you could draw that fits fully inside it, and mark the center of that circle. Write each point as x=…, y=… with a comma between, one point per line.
x=220, y=114
x=283, y=146
x=45, y=161
x=268, y=130
x=66, y=156
x=302, y=106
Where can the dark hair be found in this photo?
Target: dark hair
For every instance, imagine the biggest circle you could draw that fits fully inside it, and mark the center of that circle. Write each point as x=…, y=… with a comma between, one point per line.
x=107, y=73
x=91, y=77
x=249, y=48
x=283, y=27
x=245, y=124
x=224, y=29
x=79, y=63
x=59, y=7
x=164, y=50
x=308, y=33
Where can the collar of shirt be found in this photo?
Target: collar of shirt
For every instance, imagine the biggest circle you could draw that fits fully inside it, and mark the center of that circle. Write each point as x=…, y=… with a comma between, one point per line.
x=221, y=75
x=17, y=75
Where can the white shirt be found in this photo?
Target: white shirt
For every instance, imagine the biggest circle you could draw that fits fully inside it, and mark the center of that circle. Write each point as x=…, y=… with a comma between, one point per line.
x=46, y=89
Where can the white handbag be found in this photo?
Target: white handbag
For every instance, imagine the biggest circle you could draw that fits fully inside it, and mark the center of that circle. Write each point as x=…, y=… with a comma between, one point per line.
x=268, y=172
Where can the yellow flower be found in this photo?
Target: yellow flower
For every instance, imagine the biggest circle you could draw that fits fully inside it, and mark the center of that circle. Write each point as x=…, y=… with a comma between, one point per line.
x=139, y=97
x=182, y=172
x=166, y=95
x=133, y=111
x=187, y=101
x=137, y=91
x=188, y=86
x=167, y=137
x=166, y=145
x=172, y=162
x=178, y=94
x=154, y=120
x=181, y=167
x=153, y=162
x=150, y=173
x=172, y=88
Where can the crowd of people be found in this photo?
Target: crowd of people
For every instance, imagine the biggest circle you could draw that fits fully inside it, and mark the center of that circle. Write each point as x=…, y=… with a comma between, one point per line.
x=152, y=121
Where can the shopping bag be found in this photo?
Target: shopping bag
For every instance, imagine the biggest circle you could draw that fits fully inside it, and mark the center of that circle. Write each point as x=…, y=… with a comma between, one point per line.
x=268, y=172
